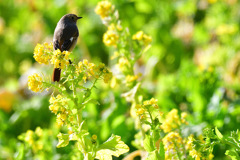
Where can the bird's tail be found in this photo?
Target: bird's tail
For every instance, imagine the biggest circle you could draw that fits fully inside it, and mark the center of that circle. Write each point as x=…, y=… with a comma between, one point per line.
x=56, y=75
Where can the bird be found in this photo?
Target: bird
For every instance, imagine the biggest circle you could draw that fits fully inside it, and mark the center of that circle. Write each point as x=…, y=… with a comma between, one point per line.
x=65, y=38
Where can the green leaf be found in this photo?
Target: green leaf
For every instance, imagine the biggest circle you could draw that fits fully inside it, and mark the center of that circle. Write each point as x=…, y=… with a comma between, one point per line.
x=20, y=153
x=148, y=144
x=94, y=101
x=63, y=140
x=130, y=95
x=218, y=133
x=233, y=154
x=161, y=150
x=112, y=147
x=154, y=156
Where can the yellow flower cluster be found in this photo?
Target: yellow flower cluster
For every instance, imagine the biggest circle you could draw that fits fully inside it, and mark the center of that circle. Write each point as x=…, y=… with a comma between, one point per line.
x=123, y=64
x=142, y=110
x=57, y=103
x=193, y=152
x=173, y=121
x=131, y=78
x=33, y=139
x=89, y=70
x=104, y=9
x=43, y=53
x=111, y=37
x=172, y=145
x=140, y=36
x=35, y=83
x=61, y=118
x=60, y=59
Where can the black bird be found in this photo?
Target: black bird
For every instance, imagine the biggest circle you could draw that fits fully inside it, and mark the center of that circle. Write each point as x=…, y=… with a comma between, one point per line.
x=65, y=38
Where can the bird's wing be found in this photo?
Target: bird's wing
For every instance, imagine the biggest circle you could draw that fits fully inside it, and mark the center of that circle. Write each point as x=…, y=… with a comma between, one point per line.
x=56, y=44
x=69, y=44
x=69, y=38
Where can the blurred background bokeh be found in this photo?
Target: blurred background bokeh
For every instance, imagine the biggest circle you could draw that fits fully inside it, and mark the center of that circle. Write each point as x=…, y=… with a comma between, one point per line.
x=193, y=64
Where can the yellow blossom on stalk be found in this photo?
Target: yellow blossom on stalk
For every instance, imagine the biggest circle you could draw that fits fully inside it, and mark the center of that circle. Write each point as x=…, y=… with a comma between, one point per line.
x=60, y=59
x=152, y=101
x=131, y=78
x=183, y=118
x=58, y=103
x=39, y=131
x=61, y=119
x=171, y=122
x=107, y=77
x=29, y=137
x=190, y=140
x=140, y=36
x=94, y=137
x=110, y=38
x=172, y=145
x=35, y=83
x=43, y=53
x=123, y=64
x=90, y=69
x=103, y=9
x=115, y=55
x=195, y=154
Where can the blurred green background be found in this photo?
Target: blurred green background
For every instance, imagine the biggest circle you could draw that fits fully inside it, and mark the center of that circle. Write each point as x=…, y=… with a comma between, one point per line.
x=193, y=64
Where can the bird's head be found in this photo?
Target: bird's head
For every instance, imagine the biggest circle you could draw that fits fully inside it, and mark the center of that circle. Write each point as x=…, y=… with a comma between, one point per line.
x=71, y=18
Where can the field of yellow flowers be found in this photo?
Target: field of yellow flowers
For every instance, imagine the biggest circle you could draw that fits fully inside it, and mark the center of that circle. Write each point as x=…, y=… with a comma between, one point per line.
x=148, y=80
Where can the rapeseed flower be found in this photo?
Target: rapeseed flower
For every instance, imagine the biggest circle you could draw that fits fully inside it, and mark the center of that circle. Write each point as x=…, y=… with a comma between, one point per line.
x=60, y=59
x=43, y=53
x=104, y=9
x=35, y=83
x=141, y=36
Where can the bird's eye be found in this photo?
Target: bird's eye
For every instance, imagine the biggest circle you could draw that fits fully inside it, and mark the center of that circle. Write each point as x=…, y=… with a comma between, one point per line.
x=72, y=18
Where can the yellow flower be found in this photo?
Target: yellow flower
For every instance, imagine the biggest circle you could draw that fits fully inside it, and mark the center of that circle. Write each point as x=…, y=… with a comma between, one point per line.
x=58, y=103
x=94, y=137
x=172, y=144
x=171, y=122
x=110, y=38
x=115, y=55
x=39, y=132
x=152, y=101
x=131, y=78
x=35, y=83
x=183, y=118
x=61, y=118
x=107, y=77
x=103, y=9
x=60, y=59
x=140, y=111
x=123, y=64
x=195, y=154
x=43, y=53
x=140, y=36
x=29, y=137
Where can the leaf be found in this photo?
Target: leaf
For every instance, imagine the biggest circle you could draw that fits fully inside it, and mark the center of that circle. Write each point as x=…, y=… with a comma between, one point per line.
x=147, y=144
x=112, y=147
x=161, y=150
x=94, y=101
x=218, y=133
x=130, y=95
x=154, y=156
x=63, y=140
x=233, y=154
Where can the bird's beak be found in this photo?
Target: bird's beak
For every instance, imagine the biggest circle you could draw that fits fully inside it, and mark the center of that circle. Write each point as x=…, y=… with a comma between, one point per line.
x=79, y=17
